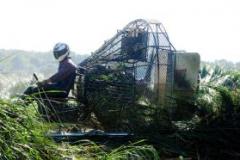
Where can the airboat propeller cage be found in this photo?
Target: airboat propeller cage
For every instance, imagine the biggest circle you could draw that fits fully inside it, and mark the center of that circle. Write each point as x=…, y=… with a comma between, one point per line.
x=143, y=53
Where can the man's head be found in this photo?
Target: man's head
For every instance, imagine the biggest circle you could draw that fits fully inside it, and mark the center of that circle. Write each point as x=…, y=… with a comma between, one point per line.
x=61, y=51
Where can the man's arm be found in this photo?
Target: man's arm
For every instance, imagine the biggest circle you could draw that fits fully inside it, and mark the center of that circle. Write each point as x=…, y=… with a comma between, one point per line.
x=61, y=74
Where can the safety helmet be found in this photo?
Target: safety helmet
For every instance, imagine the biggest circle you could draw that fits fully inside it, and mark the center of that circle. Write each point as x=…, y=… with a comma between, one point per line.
x=61, y=51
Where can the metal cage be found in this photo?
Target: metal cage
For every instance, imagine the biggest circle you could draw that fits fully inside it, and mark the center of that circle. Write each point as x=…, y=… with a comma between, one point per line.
x=143, y=53
x=134, y=67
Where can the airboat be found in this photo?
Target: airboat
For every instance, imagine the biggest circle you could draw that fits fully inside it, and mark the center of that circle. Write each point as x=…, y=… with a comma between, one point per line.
x=126, y=82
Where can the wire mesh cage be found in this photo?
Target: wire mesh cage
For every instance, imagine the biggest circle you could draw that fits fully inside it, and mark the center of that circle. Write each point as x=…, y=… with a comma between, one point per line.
x=130, y=77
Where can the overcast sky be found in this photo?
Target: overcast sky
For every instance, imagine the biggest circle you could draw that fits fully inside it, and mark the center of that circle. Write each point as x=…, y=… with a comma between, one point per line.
x=209, y=27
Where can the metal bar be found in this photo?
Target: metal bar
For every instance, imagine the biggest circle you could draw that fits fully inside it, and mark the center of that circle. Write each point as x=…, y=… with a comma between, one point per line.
x=93, y=135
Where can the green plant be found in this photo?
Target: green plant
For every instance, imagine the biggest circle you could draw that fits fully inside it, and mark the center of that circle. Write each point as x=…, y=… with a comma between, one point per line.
x=22, y=134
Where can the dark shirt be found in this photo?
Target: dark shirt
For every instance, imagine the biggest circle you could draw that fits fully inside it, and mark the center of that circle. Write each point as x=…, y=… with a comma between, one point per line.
x=64, y=78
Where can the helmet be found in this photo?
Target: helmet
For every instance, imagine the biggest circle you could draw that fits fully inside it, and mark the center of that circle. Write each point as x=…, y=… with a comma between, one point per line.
x=61, y=51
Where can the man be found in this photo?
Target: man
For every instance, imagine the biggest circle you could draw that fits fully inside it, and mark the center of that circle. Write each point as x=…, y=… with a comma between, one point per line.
x=58, y=85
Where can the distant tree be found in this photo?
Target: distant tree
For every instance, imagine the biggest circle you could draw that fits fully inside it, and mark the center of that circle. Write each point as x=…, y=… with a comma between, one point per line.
x=29, y=62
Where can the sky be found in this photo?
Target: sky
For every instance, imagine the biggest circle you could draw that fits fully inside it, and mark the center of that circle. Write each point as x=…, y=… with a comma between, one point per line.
x=209, y=27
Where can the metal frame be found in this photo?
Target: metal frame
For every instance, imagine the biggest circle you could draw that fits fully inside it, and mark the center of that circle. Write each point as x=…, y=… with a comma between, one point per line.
x=111, y=53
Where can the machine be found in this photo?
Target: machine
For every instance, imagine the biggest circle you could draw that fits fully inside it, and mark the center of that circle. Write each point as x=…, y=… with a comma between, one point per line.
x=132, y=76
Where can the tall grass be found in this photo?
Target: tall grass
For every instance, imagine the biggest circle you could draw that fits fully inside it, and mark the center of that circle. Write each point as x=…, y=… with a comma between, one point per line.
x=22, y=134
